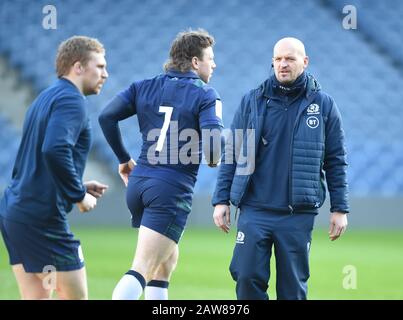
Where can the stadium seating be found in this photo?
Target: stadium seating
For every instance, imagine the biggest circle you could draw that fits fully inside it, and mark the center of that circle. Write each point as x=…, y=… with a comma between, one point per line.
x=380, y=22
x=348, y=63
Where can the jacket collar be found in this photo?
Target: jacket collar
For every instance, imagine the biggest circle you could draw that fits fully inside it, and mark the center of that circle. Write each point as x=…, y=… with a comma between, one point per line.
x=312, y=86
x=178, y=74
x=71, y=84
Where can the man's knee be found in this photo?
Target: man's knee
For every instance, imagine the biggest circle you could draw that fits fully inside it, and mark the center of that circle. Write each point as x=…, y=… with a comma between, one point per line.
x=249, y=277
x=249, y=283
x=166, y=268
x=242, y=271
x=147, y=267
x=172, y=261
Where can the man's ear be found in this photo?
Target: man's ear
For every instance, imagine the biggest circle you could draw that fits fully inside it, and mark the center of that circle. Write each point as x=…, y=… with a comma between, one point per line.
x=195, y=63
x=306, y=62
x=78, y=67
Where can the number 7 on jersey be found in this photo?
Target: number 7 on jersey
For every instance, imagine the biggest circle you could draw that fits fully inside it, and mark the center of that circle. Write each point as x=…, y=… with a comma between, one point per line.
x=164, y=129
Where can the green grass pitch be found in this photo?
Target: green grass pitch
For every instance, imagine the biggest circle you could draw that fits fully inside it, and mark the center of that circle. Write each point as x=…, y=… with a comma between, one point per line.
x=202, y=272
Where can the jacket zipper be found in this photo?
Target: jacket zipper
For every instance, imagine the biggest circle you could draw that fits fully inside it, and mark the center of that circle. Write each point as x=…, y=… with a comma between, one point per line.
x=290, y=161
x=321, y=195
x=291, y=209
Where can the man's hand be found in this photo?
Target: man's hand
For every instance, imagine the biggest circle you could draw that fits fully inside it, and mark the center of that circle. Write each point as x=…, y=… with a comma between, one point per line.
x=88, y=203
x=214, y=164
x=125, y=169
x=222, y=217
x=95, y=188
x=338, y=224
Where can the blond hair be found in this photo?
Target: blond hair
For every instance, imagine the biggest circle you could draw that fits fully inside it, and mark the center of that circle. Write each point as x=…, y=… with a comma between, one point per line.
x=76, y=48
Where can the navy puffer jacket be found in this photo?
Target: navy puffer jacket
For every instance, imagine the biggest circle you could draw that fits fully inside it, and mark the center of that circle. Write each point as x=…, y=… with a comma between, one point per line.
x=317, y=152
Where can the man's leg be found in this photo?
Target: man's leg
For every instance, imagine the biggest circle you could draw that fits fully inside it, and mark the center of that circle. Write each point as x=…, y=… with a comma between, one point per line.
x=292, y=241
x=152, y=249
x=33, y=248
x=69, y=285
x=72, y=285
x=250, y=265
x=30, y=285
x=157, y=288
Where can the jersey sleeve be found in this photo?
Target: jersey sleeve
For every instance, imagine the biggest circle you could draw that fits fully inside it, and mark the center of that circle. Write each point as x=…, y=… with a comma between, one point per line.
x=210, y=112
x=116, y=110
x=66, y=122
x=129, y=95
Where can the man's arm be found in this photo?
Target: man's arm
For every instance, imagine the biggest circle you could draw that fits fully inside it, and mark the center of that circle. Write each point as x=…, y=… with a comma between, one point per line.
x=210, y=123
x=221, y=196
x=212, y=141
x=116, y=110
x=335, y=163
x=65, y=124
x=335, y=166
x=228, y=160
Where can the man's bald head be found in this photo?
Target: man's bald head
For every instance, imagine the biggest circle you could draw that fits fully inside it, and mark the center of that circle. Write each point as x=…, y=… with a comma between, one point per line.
x=289, y=60
x=290, y=44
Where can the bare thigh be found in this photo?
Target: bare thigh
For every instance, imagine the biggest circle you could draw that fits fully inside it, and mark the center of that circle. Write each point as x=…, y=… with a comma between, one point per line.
x=152, y=249
x=72, y=285
x=69, y=285
x=30, y=285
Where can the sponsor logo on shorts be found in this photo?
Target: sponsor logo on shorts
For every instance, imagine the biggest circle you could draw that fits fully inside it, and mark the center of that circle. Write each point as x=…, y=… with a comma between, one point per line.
x=240, y=237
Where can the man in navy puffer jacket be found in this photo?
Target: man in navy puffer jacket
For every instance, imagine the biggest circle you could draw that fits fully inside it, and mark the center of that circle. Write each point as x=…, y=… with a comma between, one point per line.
x=287, y=137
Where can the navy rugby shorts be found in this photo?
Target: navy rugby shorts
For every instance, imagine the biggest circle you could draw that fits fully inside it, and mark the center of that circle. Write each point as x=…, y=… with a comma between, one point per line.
x=41, y=248
x=158, y=205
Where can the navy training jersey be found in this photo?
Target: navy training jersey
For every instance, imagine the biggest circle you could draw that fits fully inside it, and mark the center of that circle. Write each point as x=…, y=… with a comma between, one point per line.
x=47, y=175
x=172, y=110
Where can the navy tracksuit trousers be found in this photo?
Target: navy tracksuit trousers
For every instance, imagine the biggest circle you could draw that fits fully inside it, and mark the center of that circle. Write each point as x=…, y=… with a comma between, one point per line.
x=258, y=231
